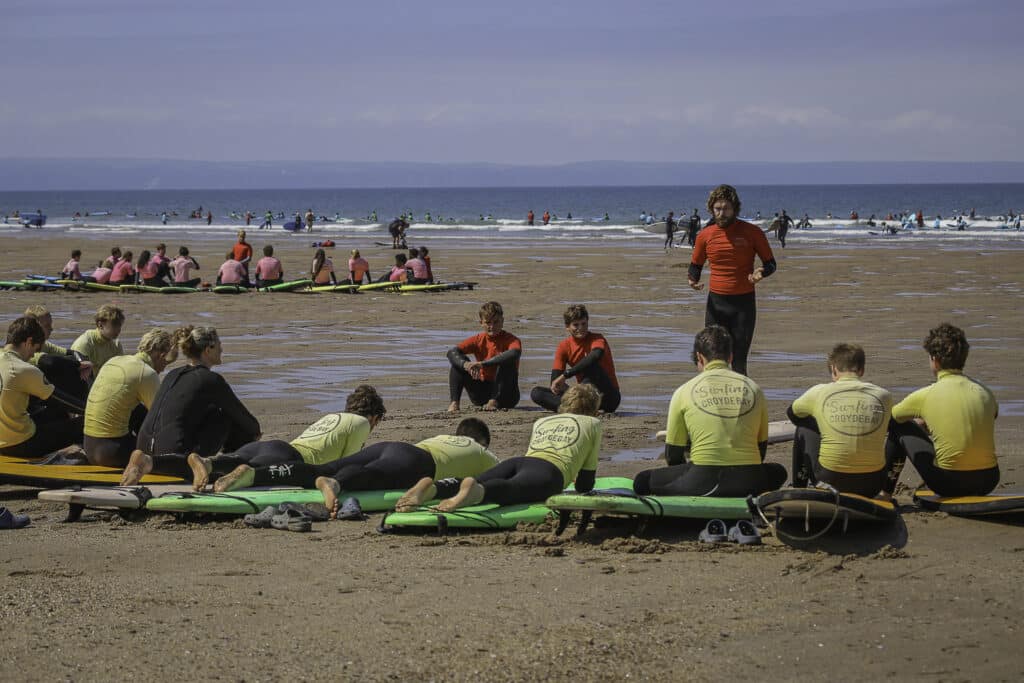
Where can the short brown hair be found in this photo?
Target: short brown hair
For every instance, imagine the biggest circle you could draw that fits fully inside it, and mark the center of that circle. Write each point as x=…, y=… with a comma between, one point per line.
x=23, y=329
x=947, y=344
x=581, y=399
x=575, y=312
x=726, y=192
x=714, y=343
x=109, y=314
x=847, y=358
x=364, y=400
x=491, y=310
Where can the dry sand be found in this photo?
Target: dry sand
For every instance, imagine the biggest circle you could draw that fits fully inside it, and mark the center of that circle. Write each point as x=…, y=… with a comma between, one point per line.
x=933, y=598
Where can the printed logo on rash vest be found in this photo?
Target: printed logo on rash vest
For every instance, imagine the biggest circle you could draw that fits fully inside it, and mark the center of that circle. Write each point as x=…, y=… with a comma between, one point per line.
x=555, y=433
x=853, y=412
x=325, y=425
x=723, y=396
x=455, y=441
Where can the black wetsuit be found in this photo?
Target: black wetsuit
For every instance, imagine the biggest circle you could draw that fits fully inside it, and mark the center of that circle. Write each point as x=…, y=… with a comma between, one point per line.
x=807, y=469
x=694, y=228
x=382, y=466
x=716, y=481
x=519, y=480
x=908, y=440
x=592, y=373
x=504, y=389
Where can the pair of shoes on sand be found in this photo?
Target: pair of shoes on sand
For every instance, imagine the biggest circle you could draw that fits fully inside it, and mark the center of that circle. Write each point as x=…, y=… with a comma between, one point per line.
x=743, y=533
x=296, y=517
x=10, y=520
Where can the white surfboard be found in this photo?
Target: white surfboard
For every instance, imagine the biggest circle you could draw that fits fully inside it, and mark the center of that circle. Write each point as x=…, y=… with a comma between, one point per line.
x=780, y=431
x=111, y=497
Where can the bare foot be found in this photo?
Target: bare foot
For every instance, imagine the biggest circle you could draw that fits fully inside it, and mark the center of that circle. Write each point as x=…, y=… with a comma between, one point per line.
x=884, y=496
x=453, y=407
x=201, y=468
x=421, y=492
x=470, y=493
x=490, y=406
x=239, y=478
x=330, y=488
x=139, y=465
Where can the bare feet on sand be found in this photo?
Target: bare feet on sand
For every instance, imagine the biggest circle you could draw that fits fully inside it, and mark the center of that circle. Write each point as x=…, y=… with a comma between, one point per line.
x=453, y=407
x=490, y=406
x=239, y=478
x=330, y=488
x=421, y=492
x=470, y=493
x=139, y=465
x=201, y=468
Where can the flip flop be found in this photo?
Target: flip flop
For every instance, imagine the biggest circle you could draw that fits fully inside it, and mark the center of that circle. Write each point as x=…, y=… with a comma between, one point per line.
x=260, y=520
x=745, y=533
x=291, y=520
x=9, y=520
x=315, y=511
x=714, y=532
x=350, y=509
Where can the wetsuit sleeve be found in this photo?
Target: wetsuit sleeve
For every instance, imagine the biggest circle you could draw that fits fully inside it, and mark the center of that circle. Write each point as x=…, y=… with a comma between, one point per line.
x=675, y=455
x=585, y=480
x=593, y=357
x=224, y=398
x=457, y=358
x=503, y=357
x=764, y=251
x=910, y=407
x=698, y=257
x=195, y=263
x=586, y=475
x=68, y=400
x=676, y=435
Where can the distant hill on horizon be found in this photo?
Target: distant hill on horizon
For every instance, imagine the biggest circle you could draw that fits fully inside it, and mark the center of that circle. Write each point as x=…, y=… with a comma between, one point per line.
x=19, y=174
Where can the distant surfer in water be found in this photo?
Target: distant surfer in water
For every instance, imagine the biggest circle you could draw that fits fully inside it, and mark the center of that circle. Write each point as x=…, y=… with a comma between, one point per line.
x=670, y=230
x=730, y=245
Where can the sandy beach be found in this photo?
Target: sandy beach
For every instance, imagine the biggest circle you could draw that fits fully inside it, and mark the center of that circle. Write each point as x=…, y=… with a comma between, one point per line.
x=931, y=598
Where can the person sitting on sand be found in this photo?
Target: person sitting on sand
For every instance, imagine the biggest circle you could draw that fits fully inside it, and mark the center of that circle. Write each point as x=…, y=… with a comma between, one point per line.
x=23, y=435
x=322, y=271
x=333, y=437
x=123, y=272
x=584, y=355
x=182, y=267
x=269, y=270
x=492, y=379
x=71, y=270
x=398, y=272
x=100, y=344
x=841, y=428
x=113, y=259
x=358, y=268
x=100, y=276
x=231, y=272
x=418, y=267
x=717, y=433
x=194, y=411
x=120, y=396
x=563, y=448
x=947, y=429
x=61, y=367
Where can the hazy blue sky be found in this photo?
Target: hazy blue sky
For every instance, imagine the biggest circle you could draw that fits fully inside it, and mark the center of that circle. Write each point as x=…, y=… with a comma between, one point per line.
x=518, y=82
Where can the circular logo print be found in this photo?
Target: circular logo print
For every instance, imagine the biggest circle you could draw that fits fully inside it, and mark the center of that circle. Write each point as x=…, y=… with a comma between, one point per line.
x=853, y=412
x=324, y=425
x=723, y=396
x=555, y=433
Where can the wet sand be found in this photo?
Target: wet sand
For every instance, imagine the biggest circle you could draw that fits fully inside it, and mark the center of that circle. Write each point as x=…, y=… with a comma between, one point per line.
x=933, y=597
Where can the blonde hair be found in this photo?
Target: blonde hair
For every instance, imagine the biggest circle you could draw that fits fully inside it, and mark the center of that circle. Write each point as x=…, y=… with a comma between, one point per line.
x=194, y=340
x=159, y=343
x=581, y=399
x=109, y=314
x=36, y=311
x=355, y=253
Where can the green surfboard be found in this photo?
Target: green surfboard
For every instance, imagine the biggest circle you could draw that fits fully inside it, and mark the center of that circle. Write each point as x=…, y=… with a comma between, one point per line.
x=489, y=516
x=336, y=288
x=229, y=289
x=379, y=285
x=631, y=505
x=245, y=501
x=100, y=287
x=290, y=286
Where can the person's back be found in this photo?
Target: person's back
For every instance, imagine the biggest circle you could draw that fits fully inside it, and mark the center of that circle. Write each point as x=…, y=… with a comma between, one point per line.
x=852, y=416
x=18, y=381
x=182, y=267
x=418, y=267
x=101, y=275
x=123, y=383
x=269, y=268
x=457, y=456
x=358, y=267
x=231, y=272
x=333, y=436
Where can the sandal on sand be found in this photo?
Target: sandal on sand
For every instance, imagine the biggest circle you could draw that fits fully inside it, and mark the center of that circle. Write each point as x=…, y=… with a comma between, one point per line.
x=350, y=509
x=292, y=520
x=315, y=511
x=260, y=520
x=714, y=532
x=9, y=520
x=745, y=533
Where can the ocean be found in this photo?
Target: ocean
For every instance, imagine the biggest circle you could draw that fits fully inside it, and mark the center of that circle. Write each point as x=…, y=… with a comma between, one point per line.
x=461, y=217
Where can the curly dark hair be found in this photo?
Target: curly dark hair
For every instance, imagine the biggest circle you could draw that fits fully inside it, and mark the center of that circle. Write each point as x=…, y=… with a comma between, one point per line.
x=726, y=192
x=364, y=400
x=947, y=344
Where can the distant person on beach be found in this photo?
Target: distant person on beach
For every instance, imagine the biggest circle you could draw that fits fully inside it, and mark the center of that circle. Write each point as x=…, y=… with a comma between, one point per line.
x=947, y=429
x=784, y=224
x=194, y=411
x=309, y=220
x=209, y=217
x=71, y=268
x=333, y=437
x=585, y=355
x=398, y=272
x=492, y=378
x=268, y=220
x=182, y=267
x=24, y=435
x=123, y=272
x=322, y=270
x=730, y=245
x=121, y=395
x=693, y=228
x=920, y=218
x=425, y=255
x=670, y=230
x=61, y=366
x=147, y=270
x=529, y=217
x=841, y=428
x=358, y=269
x=112, y=260
x=269, y=270
x=418, y=266
x=241, y=251
x=231, y=272
x=564, y=449
x=397, y=230
x=100, y=344
x=546, y=218
x=100, y=276
x=717, y=433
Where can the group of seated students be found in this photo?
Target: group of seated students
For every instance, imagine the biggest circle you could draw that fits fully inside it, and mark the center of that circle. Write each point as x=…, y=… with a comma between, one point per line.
x=157, y=270
x=113, y=410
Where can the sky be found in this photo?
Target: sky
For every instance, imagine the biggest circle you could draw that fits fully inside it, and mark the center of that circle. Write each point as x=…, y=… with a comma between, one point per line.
x=526, y=82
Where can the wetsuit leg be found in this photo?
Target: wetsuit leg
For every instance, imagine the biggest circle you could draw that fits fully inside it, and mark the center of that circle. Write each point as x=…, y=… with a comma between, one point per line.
x=154, y=282
x=301, y=473
x=395, y=466
x=136, y=419
x=49, y=437
x=109, y=452
x=718, y=481
x=256, y=454
x=909, y=440
x=520, y=480
x=782, y=235
x=737, y=313
x=506, y=389
x=546, y=398
x=806, y=447
x=610, y=396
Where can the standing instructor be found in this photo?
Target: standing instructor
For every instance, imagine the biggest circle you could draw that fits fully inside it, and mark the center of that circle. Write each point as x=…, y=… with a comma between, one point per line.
x=730, y=245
